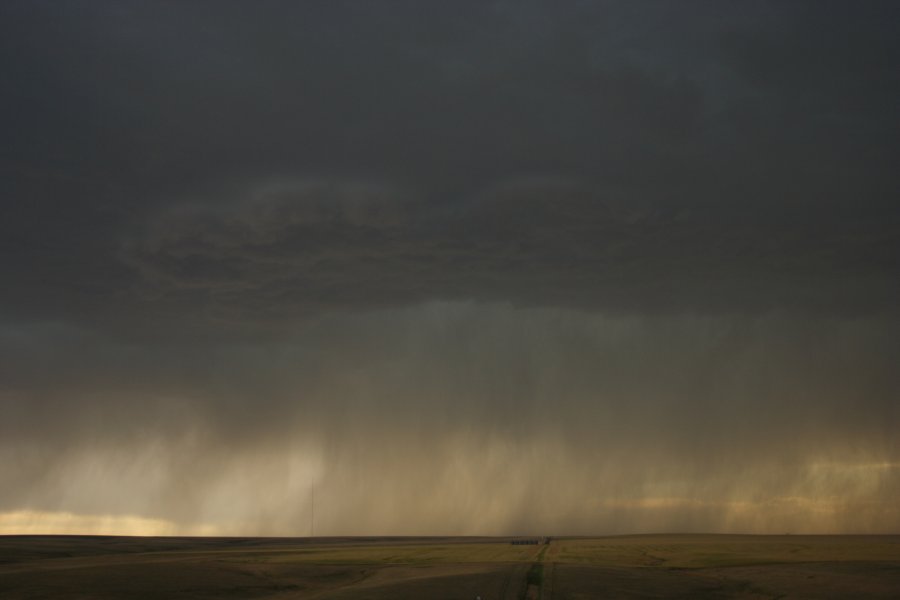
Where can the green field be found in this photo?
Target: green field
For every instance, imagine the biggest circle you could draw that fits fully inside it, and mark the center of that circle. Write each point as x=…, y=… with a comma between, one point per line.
x=701, y=551
x=642, y=566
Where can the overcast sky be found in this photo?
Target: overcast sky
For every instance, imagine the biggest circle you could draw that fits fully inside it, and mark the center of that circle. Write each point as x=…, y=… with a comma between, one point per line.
x=466, y=267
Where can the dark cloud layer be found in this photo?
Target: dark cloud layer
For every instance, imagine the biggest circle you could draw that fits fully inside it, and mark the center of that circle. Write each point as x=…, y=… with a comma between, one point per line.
x=608, y=155
x=644, y=251
x=299, y=248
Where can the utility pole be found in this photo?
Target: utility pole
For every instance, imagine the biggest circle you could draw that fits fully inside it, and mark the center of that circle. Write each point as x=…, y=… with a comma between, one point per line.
x=312, y=507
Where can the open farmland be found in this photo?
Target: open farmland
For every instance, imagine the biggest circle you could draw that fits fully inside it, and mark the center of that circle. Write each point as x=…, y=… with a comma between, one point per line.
x=646, y=566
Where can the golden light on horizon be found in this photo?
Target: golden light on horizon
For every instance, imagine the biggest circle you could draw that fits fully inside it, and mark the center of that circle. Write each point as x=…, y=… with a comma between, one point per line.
x=35, y=522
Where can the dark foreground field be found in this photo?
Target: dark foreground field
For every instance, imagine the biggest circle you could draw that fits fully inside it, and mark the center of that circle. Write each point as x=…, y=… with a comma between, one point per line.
x=647, y=566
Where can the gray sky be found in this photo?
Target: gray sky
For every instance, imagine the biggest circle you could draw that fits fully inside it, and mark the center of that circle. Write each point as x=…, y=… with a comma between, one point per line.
x=472, y=267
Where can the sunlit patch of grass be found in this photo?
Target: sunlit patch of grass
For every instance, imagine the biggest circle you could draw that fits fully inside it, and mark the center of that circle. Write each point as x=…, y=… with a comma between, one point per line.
x=722, y=551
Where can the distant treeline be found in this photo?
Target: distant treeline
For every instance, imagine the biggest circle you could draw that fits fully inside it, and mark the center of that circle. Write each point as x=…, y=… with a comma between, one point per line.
x=530, y=542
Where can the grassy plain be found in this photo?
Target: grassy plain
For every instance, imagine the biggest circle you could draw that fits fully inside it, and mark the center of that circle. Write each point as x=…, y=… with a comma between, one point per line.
x=642, y=566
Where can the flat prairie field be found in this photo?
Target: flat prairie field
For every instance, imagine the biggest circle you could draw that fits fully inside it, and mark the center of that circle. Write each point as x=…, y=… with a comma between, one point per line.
x=637, y=566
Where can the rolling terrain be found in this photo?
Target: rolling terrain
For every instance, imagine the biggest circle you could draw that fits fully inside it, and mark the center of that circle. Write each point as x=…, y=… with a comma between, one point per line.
x=639, y=566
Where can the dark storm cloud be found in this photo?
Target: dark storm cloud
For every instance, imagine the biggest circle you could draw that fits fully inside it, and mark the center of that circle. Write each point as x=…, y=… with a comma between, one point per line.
x=634, y=265
x=295, y=248
x=607, y=155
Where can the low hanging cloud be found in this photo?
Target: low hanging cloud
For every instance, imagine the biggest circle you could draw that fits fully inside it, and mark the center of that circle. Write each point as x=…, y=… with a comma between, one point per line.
x=294, y=249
